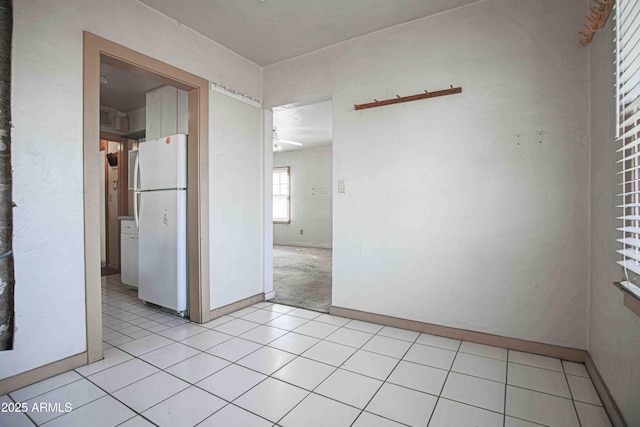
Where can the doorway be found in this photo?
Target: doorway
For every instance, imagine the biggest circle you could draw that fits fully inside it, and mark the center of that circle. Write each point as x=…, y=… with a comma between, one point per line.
x=96, y=51
x=109, y=208
x=303, y=204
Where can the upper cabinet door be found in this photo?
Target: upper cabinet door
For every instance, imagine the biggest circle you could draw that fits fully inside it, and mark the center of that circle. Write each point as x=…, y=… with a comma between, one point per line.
x=167, y=112
x=183, y=112
x=153, y=114
x=169, y=123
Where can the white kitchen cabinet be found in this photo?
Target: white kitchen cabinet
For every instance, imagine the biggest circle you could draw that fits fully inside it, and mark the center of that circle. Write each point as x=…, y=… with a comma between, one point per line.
x=128, y=252
x=183, y=112
x=167, y=112
x=153, y=113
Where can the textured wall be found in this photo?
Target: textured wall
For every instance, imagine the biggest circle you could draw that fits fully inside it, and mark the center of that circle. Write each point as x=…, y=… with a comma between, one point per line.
x=311, y=198
x=235, y=177
x=469, y=210
x=48, y=146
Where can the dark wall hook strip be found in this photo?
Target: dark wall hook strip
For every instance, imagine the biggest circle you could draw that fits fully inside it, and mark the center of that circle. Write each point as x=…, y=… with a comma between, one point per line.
x=400, y=99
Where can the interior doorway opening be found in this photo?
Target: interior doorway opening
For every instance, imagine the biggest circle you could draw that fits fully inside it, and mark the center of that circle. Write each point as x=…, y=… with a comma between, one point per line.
x=302, y=194
x=110, y=206
x=96, y=51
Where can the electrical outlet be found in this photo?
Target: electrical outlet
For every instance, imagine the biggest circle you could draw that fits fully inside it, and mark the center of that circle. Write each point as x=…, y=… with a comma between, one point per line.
x=341, y=186
x=301, y=232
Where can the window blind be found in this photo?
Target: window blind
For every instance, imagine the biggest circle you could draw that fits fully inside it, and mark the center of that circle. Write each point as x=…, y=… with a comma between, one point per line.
x=628, y=137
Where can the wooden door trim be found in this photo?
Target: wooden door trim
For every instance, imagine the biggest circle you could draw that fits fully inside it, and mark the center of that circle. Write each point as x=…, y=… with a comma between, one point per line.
x=104, y=146
x=97, y=50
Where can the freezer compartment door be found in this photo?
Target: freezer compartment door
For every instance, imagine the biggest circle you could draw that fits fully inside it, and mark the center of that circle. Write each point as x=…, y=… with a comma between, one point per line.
x=163, y=163
x=162, y=249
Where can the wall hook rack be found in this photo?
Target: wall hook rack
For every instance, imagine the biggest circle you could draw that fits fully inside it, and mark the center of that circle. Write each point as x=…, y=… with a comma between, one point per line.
x=399, y=99
x=597, y=20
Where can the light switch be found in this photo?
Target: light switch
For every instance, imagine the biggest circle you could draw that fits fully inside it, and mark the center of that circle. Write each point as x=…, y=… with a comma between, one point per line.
x=341, y=186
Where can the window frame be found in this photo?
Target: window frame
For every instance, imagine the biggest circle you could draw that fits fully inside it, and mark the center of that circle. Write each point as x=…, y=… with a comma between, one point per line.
x=628, y=148
x=273, y=195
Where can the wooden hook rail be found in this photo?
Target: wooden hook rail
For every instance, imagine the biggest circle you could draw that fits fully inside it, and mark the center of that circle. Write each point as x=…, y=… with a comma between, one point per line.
x=597, y=20
x=399, y=99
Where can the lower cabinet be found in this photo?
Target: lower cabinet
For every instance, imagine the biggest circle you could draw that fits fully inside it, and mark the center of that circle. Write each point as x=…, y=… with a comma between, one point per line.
x=128, y=255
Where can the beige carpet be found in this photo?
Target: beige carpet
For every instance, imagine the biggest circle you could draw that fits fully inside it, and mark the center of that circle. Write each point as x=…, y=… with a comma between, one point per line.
x=302, y=277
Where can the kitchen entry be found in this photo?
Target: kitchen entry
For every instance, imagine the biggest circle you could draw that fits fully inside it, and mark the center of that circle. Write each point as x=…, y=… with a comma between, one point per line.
x=160, y=218
x=111, y=205
x=150, y=120
x=122, y=122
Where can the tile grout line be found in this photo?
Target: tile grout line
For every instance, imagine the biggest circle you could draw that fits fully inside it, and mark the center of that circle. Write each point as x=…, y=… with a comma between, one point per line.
x=373, y=335
x=387, y=377
x=573, y=402
x=25, y=413
x=127, y=306
x=262, y=373
x=506, y=381
x=446, y=378
x=334, y=371
x=337, y=368
x=345, y=361
x=189, y=384
x=263, y=345
x=300, y=355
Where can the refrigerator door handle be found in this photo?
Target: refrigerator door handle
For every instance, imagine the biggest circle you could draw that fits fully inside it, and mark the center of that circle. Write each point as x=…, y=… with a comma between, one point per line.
x=136, y=167
x=136, y=215
x=136, y=172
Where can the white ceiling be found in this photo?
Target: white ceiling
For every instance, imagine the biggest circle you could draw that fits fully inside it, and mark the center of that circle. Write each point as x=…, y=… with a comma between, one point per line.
x=309, y=124
x=269, y=31
x=125, y=91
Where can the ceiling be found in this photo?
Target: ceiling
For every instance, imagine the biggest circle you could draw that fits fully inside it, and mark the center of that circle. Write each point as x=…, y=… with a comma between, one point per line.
x=309, y=124
x=269, y=31
x=124, y=91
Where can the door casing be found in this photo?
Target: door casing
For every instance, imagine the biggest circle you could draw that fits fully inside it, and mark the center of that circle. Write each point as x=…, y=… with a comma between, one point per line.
x=97, y=50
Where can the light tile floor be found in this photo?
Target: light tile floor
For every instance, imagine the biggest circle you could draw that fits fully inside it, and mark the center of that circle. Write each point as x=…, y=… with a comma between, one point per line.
x=274, y=365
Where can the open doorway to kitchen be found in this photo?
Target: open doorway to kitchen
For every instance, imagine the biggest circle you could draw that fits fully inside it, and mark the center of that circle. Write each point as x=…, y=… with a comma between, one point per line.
x=99, y=51
x=122, y=127
x=303, y=204
x=109, y=208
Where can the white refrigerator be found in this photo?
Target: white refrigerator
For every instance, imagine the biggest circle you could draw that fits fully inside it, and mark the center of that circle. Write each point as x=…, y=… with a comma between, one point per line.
x=160, y=212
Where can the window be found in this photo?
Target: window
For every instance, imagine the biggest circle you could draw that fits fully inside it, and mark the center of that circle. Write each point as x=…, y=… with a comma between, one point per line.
x=281, y=195
x=628, y=136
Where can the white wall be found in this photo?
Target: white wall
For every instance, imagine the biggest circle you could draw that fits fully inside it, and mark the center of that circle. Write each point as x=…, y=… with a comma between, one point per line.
x=614, y=331
x=137, y=119
x=267, y=218
x=311, y=198
x=236, y=200
x=47, y=155
x=454, y=213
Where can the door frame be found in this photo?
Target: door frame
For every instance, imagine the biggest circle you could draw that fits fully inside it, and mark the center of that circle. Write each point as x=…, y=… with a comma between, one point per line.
x=104, y=146
x=123, y=180
x=97, y=50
